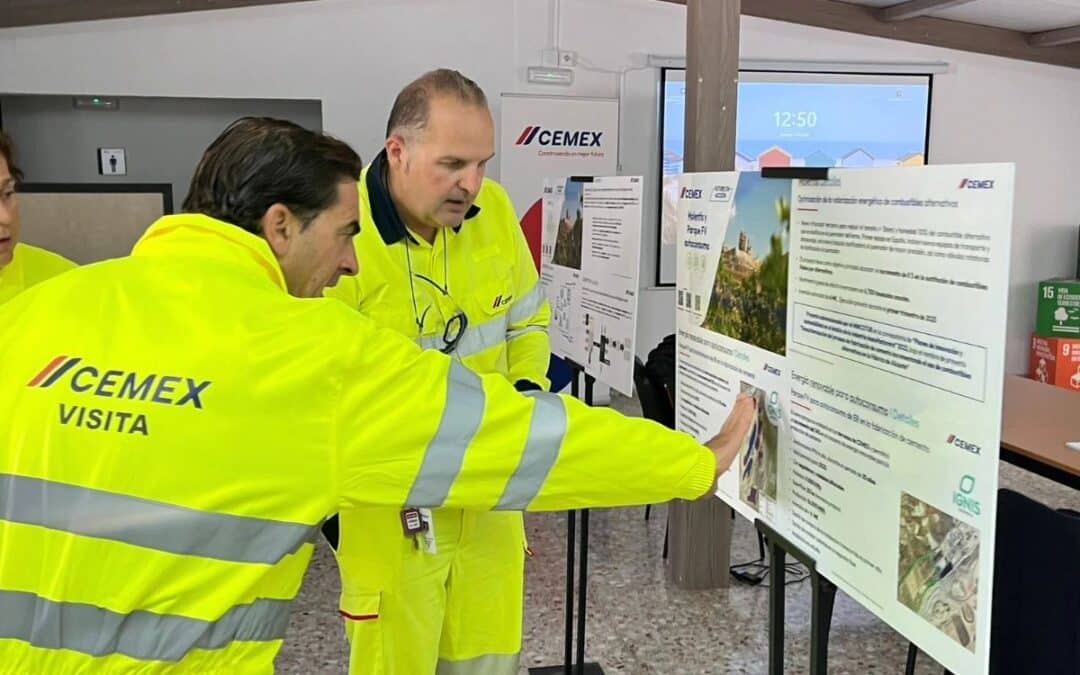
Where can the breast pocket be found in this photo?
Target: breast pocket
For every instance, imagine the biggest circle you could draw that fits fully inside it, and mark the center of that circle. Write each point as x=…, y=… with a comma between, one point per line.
x=492, y=290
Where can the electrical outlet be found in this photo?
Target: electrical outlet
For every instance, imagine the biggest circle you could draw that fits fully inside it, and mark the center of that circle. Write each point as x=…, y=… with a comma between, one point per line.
x=567, y=58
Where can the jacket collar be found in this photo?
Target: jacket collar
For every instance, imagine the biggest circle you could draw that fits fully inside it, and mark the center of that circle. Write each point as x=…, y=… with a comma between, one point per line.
x=383, y=210
x=197, y=235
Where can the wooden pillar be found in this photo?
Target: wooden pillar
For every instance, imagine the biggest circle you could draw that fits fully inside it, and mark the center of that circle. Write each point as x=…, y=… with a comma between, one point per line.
x=700, y=532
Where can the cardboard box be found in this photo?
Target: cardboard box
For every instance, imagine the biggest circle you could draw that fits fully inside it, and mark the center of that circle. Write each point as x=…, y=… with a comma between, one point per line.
x=1056, y=361
x=1059, y=308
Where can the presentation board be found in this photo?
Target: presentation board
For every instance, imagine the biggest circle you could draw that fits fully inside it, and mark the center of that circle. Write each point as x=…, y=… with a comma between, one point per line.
x=589, y=269
x=864, y=313
x=801, y=119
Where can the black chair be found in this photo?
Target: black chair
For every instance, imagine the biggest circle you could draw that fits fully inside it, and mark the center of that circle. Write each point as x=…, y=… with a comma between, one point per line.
x=1035, y=623
x=657, y=395
x=655, y=403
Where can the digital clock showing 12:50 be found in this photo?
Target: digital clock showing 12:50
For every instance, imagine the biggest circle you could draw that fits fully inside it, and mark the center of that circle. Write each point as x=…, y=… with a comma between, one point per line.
x=795, y=120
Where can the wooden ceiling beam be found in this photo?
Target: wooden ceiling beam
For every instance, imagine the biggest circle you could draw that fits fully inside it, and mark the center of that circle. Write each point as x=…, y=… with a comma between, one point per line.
x=1055, y=38
x=925, y=30
x=915, y=8
x=15, y=13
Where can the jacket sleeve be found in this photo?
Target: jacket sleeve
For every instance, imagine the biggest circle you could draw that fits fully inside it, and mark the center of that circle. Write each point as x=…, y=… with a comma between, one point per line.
x=416, y=428
x=528, y=346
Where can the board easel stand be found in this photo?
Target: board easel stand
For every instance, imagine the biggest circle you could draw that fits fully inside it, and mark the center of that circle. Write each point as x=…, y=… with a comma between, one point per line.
x=569, y=665
x=822, y=598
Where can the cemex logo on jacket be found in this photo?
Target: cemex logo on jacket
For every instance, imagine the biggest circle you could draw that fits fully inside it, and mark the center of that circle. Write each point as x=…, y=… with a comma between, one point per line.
x=559, y=137
x=163, y=389
x=82, y=378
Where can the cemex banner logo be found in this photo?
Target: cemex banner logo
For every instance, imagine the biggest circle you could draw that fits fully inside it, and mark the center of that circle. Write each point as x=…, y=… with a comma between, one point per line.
x=962, y=497
x=772, y=371
x=974, y=184
x=963, y=445
x=559, y=138
x=118, y=385
x=690, y=193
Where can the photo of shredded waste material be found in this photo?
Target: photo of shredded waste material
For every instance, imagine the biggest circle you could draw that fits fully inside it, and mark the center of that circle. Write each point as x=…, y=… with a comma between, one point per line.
x=757, y=459
x=938, y=569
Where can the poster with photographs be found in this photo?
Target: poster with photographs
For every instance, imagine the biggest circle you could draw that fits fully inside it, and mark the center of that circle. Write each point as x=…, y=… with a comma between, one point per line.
x=589, y=269
x=861, y=310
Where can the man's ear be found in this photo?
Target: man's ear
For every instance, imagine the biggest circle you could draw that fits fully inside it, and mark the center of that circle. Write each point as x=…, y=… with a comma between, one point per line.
x=396, y=152
x=277, y=228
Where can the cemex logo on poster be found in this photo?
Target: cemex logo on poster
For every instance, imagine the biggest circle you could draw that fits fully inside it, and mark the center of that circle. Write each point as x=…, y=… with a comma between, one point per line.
x=963, y=445
x=974, y=184
x=962, y=497
x=690, y=193
x=559, y=138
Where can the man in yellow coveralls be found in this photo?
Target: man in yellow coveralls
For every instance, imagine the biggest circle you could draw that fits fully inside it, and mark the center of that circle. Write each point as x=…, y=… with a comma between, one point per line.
x=443, y=262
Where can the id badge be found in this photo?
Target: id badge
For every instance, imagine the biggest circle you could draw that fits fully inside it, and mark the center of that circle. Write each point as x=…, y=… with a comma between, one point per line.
x=428, y=532
x=412, y=522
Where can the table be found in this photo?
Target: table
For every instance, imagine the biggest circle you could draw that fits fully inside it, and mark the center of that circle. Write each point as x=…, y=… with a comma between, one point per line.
x=1036, y=421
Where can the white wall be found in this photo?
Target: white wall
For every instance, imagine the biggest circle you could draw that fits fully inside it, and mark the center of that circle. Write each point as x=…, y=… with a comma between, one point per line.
x=163, y=138
x=355, y=54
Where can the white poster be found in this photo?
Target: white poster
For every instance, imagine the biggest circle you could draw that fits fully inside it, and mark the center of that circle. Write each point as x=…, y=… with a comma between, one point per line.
x=544, y=136
x=591, y=243
x=877, y=353
x=720, y=253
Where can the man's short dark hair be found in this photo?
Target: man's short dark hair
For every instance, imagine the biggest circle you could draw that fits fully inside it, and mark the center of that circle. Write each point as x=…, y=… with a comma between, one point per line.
x=413, y=104
x=258, y=162
x=7, y=151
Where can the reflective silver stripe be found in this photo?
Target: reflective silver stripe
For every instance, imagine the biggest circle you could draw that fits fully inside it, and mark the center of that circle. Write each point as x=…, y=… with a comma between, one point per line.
x=546, y=432
x=445, y=454
x=527, y=305
x=491, y=333
x=142, y=635
x=488, y=664
x=149, y=524
x=476, y=339
x=514, y=334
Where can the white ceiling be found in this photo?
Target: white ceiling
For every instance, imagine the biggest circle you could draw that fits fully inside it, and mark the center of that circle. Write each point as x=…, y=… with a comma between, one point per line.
x=1028, y=16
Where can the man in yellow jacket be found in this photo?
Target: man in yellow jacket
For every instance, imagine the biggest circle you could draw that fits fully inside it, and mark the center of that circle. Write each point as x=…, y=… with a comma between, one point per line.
x=21, y=265
x=176, y=425
x=443, y=262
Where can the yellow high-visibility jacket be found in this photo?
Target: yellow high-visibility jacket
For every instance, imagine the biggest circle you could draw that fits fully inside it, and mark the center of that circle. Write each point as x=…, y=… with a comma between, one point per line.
x=30, y=265
x=489, y=275
x=174, y=427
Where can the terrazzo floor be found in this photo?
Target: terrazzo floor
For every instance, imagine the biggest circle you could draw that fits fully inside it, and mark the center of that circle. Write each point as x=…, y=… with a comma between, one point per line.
x=638, y=624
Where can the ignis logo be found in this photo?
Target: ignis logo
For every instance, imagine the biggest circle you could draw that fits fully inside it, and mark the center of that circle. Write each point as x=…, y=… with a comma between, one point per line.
x=973, y=184
x=559, y=137
x=963, y=445
x=690, y=193
x=962, y=497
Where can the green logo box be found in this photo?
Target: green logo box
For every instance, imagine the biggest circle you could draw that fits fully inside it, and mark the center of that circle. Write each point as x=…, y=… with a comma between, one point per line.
x=1059, y=308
